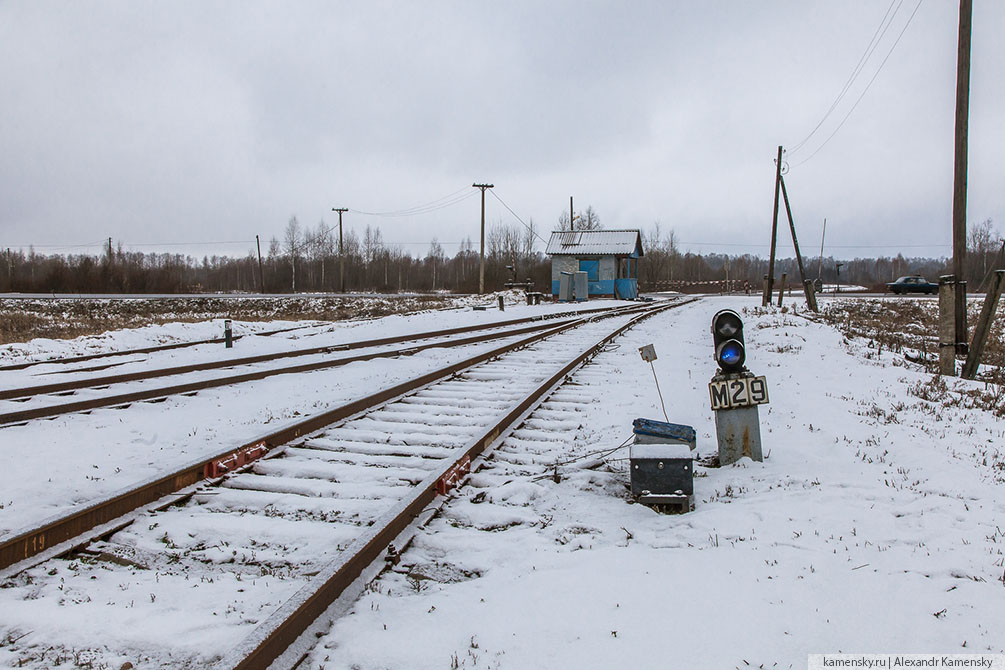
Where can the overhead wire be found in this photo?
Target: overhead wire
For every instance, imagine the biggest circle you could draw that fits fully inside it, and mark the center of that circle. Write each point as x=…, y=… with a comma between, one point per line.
x=866, y=90
x=877, y=36
x=440, y=203
x=530, y=228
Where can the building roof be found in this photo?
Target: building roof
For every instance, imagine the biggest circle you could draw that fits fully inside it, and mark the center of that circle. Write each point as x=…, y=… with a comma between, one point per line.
x=595, y=242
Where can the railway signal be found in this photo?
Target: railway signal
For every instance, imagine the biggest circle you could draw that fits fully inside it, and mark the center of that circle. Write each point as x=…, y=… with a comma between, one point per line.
x=727, y=336
x=735, y=392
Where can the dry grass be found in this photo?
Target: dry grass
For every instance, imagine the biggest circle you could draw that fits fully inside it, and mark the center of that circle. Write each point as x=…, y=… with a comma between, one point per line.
x=24, y=320
x=902, y=325
x=899, y=325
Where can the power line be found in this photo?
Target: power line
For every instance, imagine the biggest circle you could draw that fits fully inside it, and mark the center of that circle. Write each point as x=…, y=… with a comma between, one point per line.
x=889, y=53
x=534, y=232
x=829, y=246
x=440, y=203
x=180, y=244
x=884, y=25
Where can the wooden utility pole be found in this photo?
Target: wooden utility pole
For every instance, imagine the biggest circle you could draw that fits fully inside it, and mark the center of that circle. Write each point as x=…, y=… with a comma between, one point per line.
x=261, y=275
x=811, y=300
x=983, y=326
x=960, y=174
x=572, y=217
x=481, y=263
x=820, y=267
x=341, y=254
x=769, y=281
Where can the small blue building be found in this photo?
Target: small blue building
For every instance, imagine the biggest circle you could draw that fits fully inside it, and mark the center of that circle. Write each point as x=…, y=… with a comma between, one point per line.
x=610, y=259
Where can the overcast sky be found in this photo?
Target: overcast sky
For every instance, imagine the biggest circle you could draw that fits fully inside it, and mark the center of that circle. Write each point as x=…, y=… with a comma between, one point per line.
x=176, y=123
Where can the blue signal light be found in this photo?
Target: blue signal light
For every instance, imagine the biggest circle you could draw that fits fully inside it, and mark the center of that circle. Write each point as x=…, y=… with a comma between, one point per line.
x=731, y=353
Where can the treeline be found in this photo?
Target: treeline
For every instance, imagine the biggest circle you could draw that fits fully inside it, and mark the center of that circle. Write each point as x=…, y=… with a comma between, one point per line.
x=307, y=260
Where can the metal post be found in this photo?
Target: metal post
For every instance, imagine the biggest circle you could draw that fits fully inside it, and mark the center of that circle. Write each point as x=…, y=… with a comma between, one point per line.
x=960, y=173
x=983, y=326
x=947, y=325
x=228, y=335
x=502, y=305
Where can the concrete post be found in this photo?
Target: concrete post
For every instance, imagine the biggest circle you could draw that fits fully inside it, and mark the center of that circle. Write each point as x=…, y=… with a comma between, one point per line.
x=947, y=325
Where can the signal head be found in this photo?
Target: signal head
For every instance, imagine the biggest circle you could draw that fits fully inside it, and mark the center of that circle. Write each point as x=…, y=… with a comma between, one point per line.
x=727, y=336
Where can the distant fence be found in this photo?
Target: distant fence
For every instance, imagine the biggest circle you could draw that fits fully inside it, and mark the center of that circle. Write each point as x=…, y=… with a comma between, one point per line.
x=715, y=286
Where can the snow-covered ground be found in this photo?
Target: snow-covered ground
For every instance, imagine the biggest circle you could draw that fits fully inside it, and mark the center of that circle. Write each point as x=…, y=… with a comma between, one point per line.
x=73, y=459
x=874, y=525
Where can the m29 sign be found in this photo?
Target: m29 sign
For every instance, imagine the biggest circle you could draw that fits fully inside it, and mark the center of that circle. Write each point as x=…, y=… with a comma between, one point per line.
x=733, y=393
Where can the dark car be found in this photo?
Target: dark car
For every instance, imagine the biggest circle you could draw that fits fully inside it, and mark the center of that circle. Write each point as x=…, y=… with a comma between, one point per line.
x=913, y=285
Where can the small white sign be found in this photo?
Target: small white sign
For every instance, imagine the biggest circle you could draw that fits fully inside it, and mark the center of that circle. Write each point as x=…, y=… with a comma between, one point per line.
x=733, y=393
x=648, y=353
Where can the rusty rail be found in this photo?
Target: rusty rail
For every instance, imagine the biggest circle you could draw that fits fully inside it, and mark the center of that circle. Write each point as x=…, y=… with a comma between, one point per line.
x=67, y=530
x=144, y=350
x=123, y=399
x=42, y=389
x=273, y=636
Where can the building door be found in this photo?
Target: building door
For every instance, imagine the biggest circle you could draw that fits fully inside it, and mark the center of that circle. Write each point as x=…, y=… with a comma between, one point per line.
x=591, y=268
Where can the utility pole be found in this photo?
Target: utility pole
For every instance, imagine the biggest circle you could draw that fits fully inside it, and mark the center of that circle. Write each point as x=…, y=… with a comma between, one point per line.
x=110, y=251
x=481, y=263
x=572, y=217
x=820, y=267
x=770, y=280
x=261, y=275
x=341, y=256
x=960, y=174
x=811, y=300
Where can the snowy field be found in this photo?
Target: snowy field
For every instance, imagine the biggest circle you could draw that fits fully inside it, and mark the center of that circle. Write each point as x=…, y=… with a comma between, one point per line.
x=875, y=524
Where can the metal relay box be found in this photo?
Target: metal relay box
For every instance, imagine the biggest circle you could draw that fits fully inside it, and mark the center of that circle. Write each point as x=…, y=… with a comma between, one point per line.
x=661, y=464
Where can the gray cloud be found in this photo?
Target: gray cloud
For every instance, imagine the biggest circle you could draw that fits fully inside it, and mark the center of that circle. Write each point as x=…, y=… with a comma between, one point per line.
x=194, y=122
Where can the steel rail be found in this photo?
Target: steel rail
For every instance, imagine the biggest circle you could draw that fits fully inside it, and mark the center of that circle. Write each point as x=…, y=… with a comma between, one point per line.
x=63, y=533
x=144, y=350
x=123, y=399
x=57, y=387
x=276, y=634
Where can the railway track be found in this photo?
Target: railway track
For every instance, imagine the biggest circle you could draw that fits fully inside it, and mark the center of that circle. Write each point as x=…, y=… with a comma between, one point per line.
x=143, y=350
x=313, y=516
x=40, y=396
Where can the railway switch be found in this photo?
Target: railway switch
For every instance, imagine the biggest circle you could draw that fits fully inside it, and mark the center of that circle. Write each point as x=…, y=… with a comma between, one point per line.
x=661, y=466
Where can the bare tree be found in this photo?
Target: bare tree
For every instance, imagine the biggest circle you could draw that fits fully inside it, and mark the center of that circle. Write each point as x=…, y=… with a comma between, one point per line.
x=588, y=220
x=292, y=241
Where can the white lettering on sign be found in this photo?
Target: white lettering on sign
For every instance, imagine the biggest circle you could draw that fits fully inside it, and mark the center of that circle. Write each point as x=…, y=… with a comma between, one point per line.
x=733, y=393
